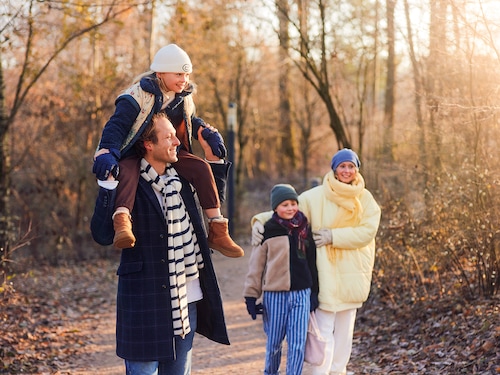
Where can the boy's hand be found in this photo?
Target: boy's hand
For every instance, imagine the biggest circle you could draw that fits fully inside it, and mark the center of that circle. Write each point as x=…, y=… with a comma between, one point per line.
x=106, y=163
x=314, y=301
x=252, y=308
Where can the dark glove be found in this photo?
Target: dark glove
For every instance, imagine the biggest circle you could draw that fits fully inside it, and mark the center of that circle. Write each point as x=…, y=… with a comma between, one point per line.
x=215, y=141
x=252, y=308
x=314, y=301
x=107, y=163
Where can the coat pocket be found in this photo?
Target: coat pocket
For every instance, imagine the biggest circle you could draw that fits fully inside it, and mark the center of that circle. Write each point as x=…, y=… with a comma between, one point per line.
x=128, y=268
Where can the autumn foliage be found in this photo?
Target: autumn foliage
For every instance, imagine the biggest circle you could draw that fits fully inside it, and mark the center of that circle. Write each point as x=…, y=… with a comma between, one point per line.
x=418, y=101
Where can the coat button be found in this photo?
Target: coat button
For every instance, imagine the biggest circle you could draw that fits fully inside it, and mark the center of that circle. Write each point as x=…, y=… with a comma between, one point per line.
x=164, y=286
x=161, y=236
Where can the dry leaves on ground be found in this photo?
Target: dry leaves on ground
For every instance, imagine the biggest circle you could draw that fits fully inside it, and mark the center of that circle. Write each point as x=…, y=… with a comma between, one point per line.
x=43, y=313
x=433, y=336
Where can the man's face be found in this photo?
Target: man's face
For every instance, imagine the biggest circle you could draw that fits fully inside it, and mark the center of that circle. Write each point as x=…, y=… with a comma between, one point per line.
x=165, y=150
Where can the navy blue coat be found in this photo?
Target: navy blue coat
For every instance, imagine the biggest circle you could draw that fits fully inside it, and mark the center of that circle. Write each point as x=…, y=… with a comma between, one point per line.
x=144, y=328
x=127, y=109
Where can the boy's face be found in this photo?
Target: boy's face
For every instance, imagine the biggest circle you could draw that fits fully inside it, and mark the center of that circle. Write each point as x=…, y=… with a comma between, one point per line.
x=287, y=209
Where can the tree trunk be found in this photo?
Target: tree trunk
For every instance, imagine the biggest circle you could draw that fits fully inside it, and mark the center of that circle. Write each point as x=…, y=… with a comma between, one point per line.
x=5, y=165
x=437, y=46
x=287, y=133
x=304, y=123
x=417, y=81
x=388, y=138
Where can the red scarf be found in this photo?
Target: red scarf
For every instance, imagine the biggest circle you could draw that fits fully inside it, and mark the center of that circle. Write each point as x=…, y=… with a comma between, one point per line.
x=297, y=224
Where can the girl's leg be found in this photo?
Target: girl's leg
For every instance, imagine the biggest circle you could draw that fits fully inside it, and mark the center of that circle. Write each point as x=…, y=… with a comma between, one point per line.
x=199, y=174
x=125, y=197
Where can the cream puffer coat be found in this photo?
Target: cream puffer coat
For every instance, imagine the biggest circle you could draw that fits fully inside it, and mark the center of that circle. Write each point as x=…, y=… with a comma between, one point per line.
x=345, y=282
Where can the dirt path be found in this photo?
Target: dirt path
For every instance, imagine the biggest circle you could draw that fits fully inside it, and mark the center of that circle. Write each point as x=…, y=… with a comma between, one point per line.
x=61, y=321
x=245, y=355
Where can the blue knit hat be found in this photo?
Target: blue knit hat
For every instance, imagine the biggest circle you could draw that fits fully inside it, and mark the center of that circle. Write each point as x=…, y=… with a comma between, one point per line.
x=343, y=155
x=282, y=192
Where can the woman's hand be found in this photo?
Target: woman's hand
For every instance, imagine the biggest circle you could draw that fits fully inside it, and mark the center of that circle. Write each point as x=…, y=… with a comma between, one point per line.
x=322, y=237
x=257, y=233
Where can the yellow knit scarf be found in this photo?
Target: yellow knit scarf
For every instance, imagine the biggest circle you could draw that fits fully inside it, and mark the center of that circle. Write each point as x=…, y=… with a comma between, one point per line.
x=346, y=196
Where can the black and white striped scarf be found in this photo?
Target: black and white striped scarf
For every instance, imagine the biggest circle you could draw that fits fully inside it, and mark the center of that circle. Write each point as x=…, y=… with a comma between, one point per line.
x=184, y=256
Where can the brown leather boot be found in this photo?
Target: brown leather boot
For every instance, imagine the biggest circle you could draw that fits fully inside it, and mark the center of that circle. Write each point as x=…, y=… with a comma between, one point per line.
x=219, y=239
x=124, y=238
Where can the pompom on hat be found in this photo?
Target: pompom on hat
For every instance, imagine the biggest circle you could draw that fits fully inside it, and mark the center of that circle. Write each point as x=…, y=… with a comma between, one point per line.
x=282, y=192
x=171, y=59
x=344, y=155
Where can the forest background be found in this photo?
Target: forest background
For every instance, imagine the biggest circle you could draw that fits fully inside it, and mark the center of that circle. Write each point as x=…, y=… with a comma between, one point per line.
x=412, y=86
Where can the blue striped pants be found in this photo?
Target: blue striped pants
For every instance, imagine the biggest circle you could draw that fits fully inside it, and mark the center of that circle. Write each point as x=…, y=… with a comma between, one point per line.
x=286, y=314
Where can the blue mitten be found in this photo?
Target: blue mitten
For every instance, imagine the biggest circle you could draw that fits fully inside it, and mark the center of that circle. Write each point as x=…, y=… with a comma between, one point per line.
x=215, y=141
x=107, y=163
x=252, y=308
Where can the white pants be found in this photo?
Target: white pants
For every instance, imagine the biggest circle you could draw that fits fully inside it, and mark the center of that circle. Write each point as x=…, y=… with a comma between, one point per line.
x=337, y=328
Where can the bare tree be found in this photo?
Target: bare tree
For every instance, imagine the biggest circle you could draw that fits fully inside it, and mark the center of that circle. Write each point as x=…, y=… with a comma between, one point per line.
x=435, y=71
x=417, y=81
x=286, y=136
x=32, y=67
x=315, y=64
x=388, y=139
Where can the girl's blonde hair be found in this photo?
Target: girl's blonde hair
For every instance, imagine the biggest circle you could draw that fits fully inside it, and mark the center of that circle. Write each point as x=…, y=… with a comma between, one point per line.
x=148, y=73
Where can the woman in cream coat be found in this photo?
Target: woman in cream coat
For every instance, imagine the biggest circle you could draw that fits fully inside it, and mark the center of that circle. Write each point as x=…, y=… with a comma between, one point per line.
x=344, y=218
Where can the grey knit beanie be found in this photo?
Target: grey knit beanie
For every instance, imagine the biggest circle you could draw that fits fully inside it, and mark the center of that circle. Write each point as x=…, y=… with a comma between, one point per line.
x=282, y=192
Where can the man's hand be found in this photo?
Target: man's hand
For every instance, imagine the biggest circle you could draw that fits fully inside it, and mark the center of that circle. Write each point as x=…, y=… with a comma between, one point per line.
x=209, y=155
x=252, y=308
x=106, y=163
x=322, y=237
x=257, y=233
x=215, y=141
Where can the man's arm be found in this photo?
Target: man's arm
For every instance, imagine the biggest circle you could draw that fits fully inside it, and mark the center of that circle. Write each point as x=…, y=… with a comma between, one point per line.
x=101, y=224
x=220, y=167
